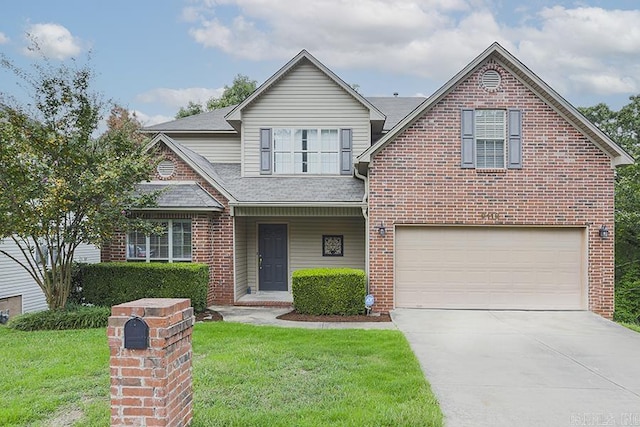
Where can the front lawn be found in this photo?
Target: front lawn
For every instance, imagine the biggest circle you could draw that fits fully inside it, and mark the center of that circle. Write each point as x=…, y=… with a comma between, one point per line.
x=243, y=376
x=632, y=326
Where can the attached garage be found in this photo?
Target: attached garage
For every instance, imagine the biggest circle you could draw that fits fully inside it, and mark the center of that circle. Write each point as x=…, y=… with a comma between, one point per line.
x=481, y=267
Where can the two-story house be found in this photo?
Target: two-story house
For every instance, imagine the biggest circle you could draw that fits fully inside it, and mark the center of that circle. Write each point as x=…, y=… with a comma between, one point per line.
x=492, y=193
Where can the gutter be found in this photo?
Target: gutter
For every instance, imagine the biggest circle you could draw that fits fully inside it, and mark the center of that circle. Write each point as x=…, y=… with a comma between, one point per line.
x=365, y=214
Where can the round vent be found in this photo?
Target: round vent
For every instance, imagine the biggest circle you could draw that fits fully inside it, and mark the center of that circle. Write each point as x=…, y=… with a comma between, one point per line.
x=491, y=80
x=166, y=168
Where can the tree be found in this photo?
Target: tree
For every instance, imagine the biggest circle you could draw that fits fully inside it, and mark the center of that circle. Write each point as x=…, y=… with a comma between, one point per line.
x=60, y=185
x=624, y=127
x=191, y=109
x=240, y=90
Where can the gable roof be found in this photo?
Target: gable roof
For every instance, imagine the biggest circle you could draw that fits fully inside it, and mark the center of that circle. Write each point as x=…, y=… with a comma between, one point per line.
x=179, y=196
x=235, y=116
x=534, y=83
x=395, y=108
x=210, y=121
x=198, y=163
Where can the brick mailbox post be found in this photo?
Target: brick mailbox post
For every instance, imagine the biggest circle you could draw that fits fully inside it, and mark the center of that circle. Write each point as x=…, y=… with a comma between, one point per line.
x=150, y=347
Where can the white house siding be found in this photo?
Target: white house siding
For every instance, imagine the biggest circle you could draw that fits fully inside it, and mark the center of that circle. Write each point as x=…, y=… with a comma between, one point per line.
x=217, y=148
x=305, y=243
x=15, y=281
x=304, y=98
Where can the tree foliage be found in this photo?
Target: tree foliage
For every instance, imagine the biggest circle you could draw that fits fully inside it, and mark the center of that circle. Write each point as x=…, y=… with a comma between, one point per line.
x=240, y=90
x=60, y=184
x=623, y=126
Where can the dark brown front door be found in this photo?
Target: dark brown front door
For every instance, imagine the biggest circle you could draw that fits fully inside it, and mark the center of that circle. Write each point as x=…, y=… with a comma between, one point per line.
x=272, y=248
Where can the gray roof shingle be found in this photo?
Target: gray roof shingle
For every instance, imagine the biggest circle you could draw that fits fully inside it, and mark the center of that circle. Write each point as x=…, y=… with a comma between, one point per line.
x=180, y=196
x=277, y=189
x=210, y=121
x=395, y=108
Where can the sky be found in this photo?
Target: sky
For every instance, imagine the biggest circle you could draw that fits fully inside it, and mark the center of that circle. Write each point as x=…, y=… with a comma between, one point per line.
x=155, y=56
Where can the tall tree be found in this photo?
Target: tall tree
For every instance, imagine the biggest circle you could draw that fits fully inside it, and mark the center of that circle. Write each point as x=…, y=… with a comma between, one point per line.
x=240, y=90
x=60, y=185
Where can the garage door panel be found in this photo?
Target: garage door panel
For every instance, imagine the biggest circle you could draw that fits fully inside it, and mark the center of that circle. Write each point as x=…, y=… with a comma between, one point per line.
x=490, y=267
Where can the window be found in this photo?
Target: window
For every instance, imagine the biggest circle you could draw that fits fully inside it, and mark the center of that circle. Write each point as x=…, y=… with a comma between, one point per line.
x=490, y=135
x=173, y=245
x=491, y=139
x=306, y=151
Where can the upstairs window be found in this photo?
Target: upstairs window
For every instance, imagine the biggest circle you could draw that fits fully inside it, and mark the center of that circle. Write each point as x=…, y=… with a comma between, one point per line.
x=300, y=151
x=491, y=139
x=490, y=134
x=172, y=245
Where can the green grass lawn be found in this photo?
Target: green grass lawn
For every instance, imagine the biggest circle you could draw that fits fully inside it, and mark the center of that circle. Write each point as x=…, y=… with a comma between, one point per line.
x=243, y=376
x=632, y=326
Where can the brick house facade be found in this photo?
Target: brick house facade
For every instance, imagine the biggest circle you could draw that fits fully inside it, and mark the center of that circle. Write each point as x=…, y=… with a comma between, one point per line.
x=422, y=212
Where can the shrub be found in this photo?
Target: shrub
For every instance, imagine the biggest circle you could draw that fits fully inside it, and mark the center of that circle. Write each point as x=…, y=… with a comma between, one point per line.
x=114, y=283
x=627, y=297
x=73, y=318
x=320, y=291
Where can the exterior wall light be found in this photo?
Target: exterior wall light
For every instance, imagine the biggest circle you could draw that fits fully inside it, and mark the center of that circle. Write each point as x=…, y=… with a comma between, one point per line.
x=381, y=229
x=603, y=232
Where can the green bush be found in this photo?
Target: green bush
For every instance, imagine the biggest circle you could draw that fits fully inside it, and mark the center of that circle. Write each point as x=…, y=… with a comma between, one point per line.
x=320, y=291
x=628, y=297
x=72, y=318
x=114, y=283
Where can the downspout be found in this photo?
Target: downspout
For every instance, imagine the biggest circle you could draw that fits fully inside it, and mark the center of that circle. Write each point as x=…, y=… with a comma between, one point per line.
x=365, y=214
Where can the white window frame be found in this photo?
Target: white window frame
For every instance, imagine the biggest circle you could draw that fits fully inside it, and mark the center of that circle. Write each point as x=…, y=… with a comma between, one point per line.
x=147, y=249
x=500, y=139
x=292, y=152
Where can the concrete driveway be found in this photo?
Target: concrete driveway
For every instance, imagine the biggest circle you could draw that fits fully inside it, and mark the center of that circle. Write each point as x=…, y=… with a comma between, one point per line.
x=518, y=368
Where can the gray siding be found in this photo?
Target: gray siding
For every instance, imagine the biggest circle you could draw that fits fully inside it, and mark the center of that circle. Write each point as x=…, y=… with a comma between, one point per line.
x=305, y=97
x=305, y=243
x=224, y=148
x=240, y=241
x=14, y=280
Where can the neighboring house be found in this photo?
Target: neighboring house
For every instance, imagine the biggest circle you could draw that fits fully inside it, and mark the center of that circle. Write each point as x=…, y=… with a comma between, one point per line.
x=491, y=193
x=19, y=293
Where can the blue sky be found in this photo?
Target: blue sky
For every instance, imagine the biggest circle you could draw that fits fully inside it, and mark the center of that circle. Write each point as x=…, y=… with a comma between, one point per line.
x=155, y=56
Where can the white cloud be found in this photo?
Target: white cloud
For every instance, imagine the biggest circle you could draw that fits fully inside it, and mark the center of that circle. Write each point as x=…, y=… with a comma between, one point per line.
x=149, y=120
x=574, y=49
x=53, y=40
x=3, y=38
x=176, y=98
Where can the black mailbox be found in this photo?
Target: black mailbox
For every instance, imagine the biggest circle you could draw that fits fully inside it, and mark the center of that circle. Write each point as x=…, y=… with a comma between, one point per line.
x=136, y=334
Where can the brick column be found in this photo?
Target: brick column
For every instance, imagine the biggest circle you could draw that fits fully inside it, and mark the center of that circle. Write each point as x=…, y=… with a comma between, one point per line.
x=152, y=386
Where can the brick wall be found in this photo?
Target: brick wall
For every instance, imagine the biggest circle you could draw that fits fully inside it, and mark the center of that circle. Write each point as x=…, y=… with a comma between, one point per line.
x=565, y=181
x=212, y=235
x=152, y=386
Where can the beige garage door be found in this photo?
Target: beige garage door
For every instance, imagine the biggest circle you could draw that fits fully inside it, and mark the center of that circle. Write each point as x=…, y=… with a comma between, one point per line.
x=490, y=268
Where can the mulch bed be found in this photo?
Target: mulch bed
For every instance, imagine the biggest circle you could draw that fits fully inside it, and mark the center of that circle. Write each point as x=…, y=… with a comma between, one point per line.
x=209, y=316
x=292, y=315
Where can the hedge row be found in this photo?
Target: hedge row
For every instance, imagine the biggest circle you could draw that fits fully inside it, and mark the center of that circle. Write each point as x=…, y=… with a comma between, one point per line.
x=73, y=318
x=112, y=283
x=319, y=291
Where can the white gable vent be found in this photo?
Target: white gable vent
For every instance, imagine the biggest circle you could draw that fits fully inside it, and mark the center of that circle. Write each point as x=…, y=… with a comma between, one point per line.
x=490, y=80
x=166, y=168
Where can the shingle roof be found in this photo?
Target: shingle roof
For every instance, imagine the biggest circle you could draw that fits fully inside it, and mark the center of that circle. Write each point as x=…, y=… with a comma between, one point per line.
x=180, y=196
x=395, y=108
x=277, y=189
x=210, y=121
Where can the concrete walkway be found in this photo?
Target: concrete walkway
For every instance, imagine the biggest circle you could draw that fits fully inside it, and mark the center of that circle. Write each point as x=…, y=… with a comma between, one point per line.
x=501, y=368
x=267, y=316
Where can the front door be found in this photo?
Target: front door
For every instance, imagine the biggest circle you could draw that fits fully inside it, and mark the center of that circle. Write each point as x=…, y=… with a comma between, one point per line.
x=272, y=257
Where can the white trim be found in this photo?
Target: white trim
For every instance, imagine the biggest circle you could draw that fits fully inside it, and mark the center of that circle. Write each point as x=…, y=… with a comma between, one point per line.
x=170, y=257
